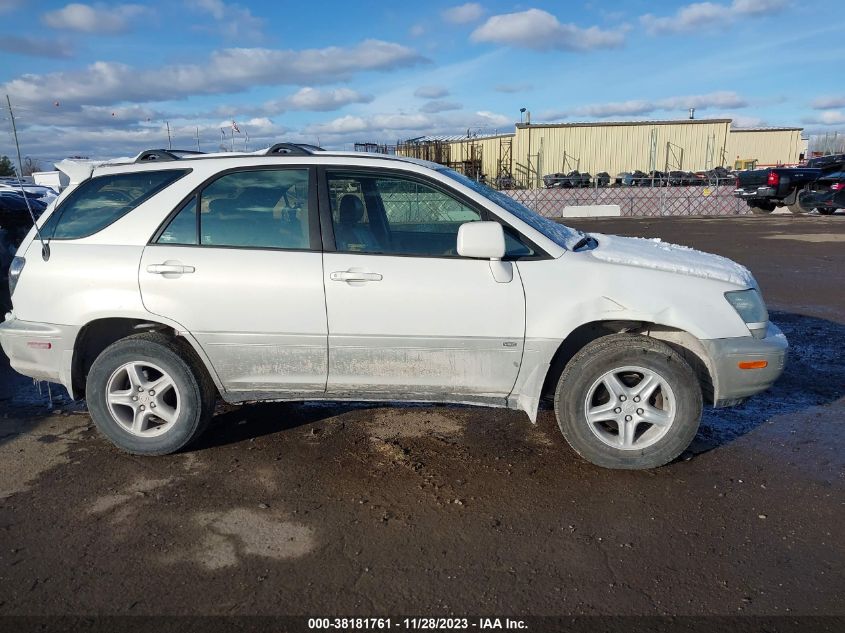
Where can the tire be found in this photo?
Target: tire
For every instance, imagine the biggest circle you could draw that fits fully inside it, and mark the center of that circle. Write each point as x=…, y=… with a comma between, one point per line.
x=826, y=210
x=676, y=402
x=146, y=362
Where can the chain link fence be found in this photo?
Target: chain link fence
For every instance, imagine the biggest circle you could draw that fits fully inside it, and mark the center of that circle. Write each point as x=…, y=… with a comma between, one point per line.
x=636, y=201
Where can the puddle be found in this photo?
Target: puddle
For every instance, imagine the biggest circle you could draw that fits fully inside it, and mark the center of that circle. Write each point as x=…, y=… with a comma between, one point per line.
x=807, y=237
x=244, y=532
x=29, y=448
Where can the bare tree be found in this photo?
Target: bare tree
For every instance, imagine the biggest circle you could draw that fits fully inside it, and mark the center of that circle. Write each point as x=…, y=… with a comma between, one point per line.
x=31, y=165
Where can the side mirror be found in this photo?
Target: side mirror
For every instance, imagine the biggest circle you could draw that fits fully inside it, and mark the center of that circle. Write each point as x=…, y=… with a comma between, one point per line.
x=481, y=240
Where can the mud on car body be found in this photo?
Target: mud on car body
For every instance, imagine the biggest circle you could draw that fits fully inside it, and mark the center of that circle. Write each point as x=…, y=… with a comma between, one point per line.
x=296, y=273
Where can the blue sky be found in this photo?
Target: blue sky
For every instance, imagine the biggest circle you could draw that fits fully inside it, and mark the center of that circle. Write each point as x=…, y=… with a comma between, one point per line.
x=103, y=79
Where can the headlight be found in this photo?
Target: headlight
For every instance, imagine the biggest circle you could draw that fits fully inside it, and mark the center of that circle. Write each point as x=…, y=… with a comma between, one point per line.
x=750, y=307
x=15, y=269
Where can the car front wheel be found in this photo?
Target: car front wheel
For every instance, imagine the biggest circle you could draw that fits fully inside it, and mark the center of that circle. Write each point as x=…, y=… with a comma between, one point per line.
x=149, y=395
x=628, y=401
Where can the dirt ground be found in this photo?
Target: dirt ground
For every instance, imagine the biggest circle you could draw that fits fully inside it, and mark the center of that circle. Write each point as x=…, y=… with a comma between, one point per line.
x=297, y=509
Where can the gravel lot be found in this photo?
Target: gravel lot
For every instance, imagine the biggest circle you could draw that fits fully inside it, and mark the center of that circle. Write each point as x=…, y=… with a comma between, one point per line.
x=296, y=509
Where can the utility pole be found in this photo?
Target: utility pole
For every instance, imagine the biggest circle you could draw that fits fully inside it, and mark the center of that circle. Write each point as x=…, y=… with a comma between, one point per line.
x=169, y=146
x=198, y=139
x=15, y=134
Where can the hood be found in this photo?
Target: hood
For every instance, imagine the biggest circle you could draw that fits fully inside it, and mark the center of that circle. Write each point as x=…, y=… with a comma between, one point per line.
x=672, y=258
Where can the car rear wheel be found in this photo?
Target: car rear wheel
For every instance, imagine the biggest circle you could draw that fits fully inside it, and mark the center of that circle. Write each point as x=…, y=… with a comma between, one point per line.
x=627, y=401
x=826, y=210
x=149, y=394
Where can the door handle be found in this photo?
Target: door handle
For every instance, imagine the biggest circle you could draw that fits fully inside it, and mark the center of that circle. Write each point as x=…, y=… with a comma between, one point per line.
x=348, y=275
x=169, y=269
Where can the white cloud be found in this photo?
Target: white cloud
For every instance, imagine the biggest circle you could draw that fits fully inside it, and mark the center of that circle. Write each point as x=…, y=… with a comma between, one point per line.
x=431, y=92
x=391, y=127
x=540, y=30
x=324, y=100
x=700, y=15
x=830, y=117
x=464, y=13
x=36, y=46
x=742, y=120
x=640, y=107
x=417, y=30
x=233, y=20
x=513, y=88
x=828, y=103
x=227, y=70
x=98, y=18
x=432, y=107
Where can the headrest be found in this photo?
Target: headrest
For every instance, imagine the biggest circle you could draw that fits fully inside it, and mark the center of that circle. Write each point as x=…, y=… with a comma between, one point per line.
x=351, y=209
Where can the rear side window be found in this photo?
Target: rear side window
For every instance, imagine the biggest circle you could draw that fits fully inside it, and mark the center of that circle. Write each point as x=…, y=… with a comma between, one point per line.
x=265, y=208
x=101, y=201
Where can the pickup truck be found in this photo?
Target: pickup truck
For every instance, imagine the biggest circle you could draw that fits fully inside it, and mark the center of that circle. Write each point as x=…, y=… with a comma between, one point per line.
x=765, y=189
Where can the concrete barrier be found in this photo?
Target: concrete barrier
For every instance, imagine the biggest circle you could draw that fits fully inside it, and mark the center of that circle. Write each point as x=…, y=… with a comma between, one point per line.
x=592, y=211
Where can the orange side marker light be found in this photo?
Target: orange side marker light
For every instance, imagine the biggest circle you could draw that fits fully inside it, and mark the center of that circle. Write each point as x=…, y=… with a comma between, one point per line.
x=753, y=364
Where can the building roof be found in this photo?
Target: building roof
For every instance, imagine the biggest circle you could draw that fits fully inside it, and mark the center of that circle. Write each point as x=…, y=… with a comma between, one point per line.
x=452, y=138
x=612, y=123
x=766, y=129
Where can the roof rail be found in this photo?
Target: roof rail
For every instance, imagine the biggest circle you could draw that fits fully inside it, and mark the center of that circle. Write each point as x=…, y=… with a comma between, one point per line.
x=293, y=149
x=164, y=154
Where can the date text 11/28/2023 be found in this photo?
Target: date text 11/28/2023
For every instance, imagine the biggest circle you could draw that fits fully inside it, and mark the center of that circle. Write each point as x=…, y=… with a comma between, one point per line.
x=416, y=624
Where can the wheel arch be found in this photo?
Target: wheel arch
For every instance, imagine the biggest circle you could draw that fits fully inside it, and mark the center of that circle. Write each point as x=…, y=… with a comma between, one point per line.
x=96, y=335
x=686, y=344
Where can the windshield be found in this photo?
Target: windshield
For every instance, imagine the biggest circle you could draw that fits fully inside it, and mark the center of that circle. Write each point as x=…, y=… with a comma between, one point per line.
x=557, y=233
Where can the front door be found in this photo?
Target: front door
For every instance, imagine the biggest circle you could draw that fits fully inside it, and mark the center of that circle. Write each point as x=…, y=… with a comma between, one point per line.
x=409, y=318
x=239, y=267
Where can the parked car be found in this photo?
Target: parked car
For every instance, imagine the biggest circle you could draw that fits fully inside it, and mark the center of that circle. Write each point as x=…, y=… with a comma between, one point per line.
x=720, y=176
x=765, y=189
x=826, y=195
x=303, y=274
x=14, y=213
x=567, y=181
x=38, y=192
x=602, y=179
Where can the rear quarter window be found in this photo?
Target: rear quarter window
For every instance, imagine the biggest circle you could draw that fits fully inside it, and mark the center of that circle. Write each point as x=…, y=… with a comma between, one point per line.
x=101, y=201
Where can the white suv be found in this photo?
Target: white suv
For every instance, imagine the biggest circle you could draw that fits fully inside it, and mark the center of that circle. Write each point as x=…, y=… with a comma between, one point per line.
x=296, y=273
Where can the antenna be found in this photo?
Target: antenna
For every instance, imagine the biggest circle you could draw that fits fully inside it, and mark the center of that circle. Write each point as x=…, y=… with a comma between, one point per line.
x=45, y=247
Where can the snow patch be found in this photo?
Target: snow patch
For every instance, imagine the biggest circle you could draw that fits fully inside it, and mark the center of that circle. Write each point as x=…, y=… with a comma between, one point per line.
x=673, y=258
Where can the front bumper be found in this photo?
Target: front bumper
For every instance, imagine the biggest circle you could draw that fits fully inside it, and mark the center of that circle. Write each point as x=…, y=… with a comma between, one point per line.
x=732, y=385
x=40, y=350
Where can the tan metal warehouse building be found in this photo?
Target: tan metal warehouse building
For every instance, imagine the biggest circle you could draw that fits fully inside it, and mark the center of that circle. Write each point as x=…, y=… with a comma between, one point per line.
x=766, y=146
x=535, y=150
x=617, y=147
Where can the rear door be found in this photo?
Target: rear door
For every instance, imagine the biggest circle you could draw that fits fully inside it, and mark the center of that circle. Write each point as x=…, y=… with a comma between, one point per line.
x=239, y=266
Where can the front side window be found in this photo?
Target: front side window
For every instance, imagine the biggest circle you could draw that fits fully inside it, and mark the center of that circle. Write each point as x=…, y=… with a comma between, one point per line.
x=394, y=216
x=558, y=233
x=265, y=208
x=101, y=201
